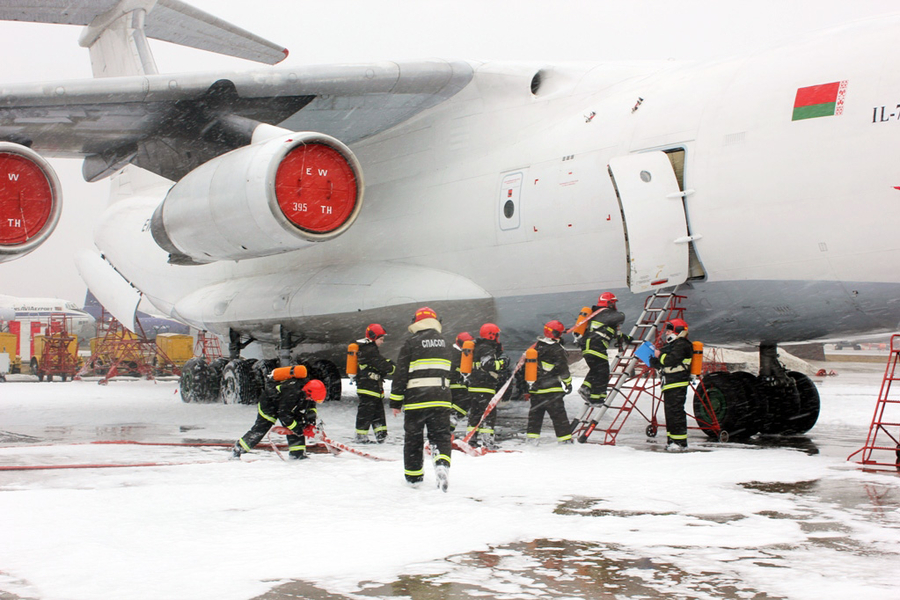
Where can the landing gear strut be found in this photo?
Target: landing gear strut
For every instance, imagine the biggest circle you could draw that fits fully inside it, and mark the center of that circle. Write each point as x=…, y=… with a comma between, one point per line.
x=740, y=404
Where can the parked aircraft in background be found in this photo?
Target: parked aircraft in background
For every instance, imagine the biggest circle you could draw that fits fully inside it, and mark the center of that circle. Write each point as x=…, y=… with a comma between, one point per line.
x=762, y=188
x=150, y=325
x=42, y=310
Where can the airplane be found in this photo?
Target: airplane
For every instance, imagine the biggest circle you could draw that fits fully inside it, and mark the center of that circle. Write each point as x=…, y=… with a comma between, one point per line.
x=42, y=310
x=293, y=206
x=150, y=325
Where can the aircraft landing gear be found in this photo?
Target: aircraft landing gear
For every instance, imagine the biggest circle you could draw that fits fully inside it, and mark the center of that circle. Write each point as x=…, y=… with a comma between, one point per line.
x=778, y=401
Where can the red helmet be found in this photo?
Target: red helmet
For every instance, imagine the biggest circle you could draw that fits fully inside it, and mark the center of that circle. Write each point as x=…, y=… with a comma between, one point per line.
x=607, y=298
x=374, y=331
x=489, y=331
x=424, y=313
x=677, y=325
x=315, y=390
x=554, y=329
x=463, y=337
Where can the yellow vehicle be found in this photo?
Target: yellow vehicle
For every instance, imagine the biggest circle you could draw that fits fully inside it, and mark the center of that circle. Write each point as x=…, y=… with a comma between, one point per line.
x=177, y=347
x=9, y=346
x=55, y=354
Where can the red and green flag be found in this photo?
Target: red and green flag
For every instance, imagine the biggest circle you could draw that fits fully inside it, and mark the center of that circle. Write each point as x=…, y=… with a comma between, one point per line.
x=822, y=100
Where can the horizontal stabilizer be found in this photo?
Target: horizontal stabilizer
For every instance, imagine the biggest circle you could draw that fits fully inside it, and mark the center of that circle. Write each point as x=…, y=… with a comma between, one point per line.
x=167, y=20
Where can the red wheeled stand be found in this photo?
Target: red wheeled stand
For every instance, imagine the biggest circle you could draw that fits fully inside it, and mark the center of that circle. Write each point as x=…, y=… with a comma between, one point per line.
x=884, y=432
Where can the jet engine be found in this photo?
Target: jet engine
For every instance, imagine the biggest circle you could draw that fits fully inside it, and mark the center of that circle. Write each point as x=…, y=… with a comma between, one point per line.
x=30, y=200
x=266, y=198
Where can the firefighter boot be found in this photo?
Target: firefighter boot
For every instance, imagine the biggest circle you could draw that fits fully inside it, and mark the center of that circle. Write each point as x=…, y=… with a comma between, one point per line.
x=442, y=472
x=236, y=451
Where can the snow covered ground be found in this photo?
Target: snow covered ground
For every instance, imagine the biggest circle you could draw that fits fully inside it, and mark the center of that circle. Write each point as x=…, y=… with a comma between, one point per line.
x=791, y=520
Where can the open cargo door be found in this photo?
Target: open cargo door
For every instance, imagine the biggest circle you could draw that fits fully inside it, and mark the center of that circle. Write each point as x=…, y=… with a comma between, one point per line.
x=656, y=232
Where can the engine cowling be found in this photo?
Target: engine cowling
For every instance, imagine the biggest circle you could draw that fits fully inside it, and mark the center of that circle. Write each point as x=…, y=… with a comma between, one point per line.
x=30, y=200
x=267, y=198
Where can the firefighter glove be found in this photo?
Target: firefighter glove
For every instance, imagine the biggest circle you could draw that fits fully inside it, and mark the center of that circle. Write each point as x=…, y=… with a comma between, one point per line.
x=568, y=388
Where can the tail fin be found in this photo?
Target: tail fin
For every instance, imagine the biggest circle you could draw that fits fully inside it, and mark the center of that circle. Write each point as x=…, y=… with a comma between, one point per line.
x=117, y=37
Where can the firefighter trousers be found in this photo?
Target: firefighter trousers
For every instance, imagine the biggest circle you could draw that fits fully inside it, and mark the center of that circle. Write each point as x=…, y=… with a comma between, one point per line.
x=370, y=413
x=597, y=378
x=676, y=419
x=553, y=405
x=264, y=422
x=415, y=423
x=478, y=404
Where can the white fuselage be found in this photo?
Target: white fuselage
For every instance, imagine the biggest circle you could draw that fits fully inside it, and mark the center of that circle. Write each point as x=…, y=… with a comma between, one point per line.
x=795, y=219
x=43, y=311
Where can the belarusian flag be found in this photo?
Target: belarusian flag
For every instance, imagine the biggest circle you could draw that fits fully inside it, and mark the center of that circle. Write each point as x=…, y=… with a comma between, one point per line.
x=822, y=100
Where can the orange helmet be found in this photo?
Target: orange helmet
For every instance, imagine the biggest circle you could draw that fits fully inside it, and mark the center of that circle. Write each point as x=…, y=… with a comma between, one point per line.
x=489, y=331
x=677, y=325
x=424, y=313
x=375, y=331
x=554, y=329
x=463, y=337
x=606, y=299
x=315, y=390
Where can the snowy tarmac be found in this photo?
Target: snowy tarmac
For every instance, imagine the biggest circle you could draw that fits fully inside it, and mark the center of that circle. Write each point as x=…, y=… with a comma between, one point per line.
x=777, y=518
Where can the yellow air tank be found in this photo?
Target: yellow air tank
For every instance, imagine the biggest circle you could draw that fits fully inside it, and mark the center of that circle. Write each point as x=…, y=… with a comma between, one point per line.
x=352, y=359
x=582, y=321
x=282, y=373
x=531, y=365
x=697, y=359
x=468, y=353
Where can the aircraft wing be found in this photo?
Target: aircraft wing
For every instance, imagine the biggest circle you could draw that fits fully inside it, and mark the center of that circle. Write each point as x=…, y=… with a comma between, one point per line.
x=170, y=124
x=169, y=20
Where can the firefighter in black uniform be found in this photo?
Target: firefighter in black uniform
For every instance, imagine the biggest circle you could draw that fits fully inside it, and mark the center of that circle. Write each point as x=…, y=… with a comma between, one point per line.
x=421, y=387
x=489, y=372
x=602, y=330
x=552, y=384
x=458, y=385
x=373, y=368
x=290, y=397
x=673, y=361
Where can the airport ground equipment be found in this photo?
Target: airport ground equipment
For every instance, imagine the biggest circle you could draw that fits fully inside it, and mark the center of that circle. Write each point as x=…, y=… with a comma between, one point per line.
x=882, y=448
x=56, y=353
x=9, y=345
x=118, y=351
x=630, y=378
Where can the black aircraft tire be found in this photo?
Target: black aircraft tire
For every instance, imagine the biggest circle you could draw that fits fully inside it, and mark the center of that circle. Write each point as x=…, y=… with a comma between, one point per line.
x=751, y=424
x=215, y=379
x=729, y=402
x=194, y=381
x=808, y=414
x=328, y=373
x=238, y=385
x=781, y=404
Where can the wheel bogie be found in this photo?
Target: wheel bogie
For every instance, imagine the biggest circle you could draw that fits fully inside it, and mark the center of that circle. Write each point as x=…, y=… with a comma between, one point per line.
x=195, y=382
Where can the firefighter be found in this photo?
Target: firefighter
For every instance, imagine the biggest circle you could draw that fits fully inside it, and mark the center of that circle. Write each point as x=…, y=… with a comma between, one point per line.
x=673, y=361
x=489, y=371
x=602, y=330
x=421, y=387
x=458, y=385
x=552, y=384
x=291, y=400
x=373, y=368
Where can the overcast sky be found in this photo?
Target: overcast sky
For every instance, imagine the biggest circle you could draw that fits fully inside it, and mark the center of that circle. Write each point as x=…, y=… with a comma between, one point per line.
x=363, y=31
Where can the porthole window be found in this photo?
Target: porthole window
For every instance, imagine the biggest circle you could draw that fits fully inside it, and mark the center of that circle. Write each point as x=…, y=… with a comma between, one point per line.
x=509, y=209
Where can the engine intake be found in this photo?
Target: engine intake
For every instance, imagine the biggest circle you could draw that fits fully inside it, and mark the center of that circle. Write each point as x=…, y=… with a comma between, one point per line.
x=267, y=198
x=30, y=200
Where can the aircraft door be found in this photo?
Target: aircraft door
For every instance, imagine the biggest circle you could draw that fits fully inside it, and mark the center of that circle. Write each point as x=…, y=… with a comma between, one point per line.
x=653, y=215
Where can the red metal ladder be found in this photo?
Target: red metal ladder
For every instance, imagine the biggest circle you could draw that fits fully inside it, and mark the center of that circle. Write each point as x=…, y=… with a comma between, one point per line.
x=630, y=378
x=885, y=421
